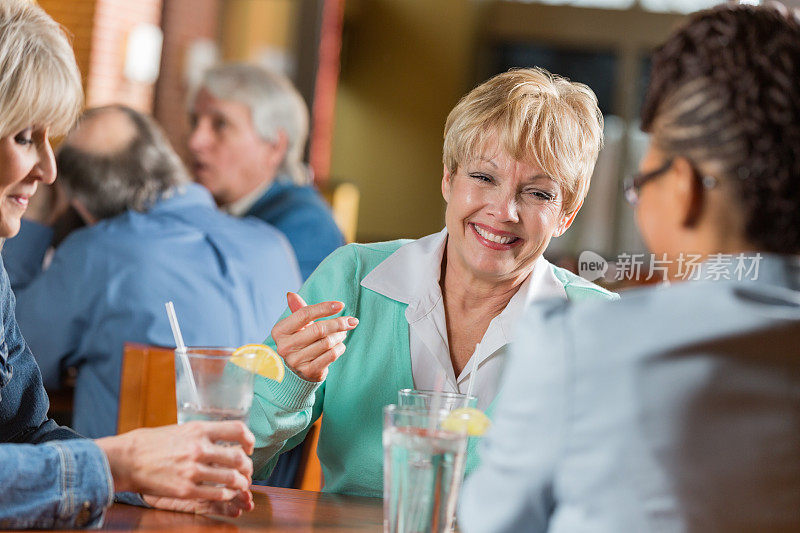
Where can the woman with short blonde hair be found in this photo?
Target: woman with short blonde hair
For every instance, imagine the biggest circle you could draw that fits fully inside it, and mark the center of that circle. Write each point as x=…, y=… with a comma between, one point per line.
x=518, y=154
x=542, y=119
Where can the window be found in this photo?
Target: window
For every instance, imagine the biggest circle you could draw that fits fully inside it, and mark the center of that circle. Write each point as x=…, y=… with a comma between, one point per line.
x=658, y=6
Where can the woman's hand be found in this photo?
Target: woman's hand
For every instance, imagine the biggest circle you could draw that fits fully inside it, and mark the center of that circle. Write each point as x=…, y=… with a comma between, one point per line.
x=242, y=502
x=309, y=347
x=183, y=461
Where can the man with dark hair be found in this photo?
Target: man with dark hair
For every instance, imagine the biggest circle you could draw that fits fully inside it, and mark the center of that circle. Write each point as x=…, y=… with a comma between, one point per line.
x=675, y=409
x=152, y=236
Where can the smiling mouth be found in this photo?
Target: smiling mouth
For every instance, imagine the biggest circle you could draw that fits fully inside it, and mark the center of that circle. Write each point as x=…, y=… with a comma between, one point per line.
x=21, y=201
x=491, y=237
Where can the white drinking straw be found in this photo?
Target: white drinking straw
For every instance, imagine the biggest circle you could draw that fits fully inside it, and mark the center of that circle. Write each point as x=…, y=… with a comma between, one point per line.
x=436, y=401
x=180, y=349
x=473, y=371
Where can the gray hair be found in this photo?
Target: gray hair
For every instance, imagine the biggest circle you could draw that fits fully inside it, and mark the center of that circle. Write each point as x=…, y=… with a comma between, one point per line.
x=39, y=80
x=275, y=105
x=134, y=177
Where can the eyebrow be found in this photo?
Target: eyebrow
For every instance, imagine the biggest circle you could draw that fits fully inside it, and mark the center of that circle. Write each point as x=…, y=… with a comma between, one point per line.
x=535, y=177
x=538, y=177
x=490, y=161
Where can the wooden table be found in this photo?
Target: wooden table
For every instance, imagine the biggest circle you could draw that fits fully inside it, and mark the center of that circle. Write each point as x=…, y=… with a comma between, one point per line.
x=276, y=510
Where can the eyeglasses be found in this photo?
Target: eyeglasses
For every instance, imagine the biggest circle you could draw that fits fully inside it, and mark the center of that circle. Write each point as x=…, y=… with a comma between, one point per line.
x=632, y=185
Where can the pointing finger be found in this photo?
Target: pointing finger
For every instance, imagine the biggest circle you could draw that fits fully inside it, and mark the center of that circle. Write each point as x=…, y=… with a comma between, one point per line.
x=295, y=301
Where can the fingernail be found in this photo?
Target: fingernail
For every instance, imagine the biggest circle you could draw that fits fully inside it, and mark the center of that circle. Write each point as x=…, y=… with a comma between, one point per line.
x=352, y=321
x=334, y=305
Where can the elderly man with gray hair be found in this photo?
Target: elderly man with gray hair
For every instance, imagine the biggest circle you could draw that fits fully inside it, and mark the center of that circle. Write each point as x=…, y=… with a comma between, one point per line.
x=151, y=236
x=249, y=130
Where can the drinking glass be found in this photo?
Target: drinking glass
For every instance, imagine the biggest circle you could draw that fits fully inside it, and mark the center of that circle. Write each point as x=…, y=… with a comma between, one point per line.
x=423, y=469
x=424, y=399
x=218, y=390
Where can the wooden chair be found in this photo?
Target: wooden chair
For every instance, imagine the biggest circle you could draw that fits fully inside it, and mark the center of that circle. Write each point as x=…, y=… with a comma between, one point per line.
x=147, y=387
x=147, y=399
x=343, y=199
x=309, y=475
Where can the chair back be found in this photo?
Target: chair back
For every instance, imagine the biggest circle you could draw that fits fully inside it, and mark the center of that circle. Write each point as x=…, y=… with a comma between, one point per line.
x=344, y=199
x=147, y=399
x=309, y=474
x=147, y=387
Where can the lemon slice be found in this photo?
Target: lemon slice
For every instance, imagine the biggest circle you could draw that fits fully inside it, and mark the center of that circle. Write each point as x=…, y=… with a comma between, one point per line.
x=475, y=421
x=266, y=362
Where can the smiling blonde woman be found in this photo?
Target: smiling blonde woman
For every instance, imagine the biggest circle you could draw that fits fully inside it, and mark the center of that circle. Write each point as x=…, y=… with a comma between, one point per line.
x=518, y=155
x=65, y=481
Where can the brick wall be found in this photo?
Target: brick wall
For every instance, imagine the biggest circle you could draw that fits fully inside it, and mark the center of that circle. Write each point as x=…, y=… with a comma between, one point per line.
x=184, y=22
x=77, y=16
x=113, y=21
x=100, y=31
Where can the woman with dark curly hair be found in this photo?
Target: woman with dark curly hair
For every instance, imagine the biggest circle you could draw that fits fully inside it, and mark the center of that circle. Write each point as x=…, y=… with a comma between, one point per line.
x=675, y=409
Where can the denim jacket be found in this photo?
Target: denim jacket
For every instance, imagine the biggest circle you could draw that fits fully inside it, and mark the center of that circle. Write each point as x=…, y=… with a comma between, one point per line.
x=57, y=484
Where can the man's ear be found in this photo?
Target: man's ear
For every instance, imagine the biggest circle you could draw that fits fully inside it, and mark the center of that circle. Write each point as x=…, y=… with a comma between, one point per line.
x=276, y=151
x=687, y=191
x=84, y=213
x=447, y=183
x=566, y=221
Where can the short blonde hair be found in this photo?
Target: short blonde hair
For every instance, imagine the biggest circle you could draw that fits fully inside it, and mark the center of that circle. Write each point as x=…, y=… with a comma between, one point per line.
x=538, y=118
x=39, y=80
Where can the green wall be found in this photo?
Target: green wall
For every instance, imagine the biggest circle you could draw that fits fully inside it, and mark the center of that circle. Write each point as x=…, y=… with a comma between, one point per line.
x=405, y=64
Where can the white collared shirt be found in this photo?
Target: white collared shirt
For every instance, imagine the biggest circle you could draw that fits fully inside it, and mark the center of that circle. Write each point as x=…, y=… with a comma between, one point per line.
x=411, y=276
x=243, y=204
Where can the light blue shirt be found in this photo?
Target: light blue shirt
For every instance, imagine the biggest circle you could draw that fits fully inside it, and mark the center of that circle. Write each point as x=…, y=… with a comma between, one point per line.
x=107, y=284
x=672, y=409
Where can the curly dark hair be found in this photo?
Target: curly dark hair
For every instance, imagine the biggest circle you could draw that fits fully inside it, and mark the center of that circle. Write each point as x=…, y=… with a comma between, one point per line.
x=725, y=93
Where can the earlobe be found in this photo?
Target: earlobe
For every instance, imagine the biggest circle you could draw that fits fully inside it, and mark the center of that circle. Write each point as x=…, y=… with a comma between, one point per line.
x=276, y=151
x=688, y=192
x=446, y=184
x=567, y=220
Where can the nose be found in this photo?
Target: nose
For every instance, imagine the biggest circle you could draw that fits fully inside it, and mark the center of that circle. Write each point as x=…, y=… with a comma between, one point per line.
x=45, y=168
x=199, y=136
x=504, y=206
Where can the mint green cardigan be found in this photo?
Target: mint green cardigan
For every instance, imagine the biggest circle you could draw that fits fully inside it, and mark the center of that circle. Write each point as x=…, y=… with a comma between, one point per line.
x=360, y=383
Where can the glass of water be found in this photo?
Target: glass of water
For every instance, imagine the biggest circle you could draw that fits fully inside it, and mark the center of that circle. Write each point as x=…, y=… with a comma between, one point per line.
x=217, y=389
x=423, y=470
x=424, y=399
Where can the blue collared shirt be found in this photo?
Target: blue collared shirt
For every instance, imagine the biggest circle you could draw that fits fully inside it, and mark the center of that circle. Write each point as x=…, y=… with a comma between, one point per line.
x=107, y=284
x=304, y=217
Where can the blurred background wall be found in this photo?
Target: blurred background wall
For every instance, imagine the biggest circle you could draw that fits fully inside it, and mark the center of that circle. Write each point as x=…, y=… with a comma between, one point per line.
x=380, y=77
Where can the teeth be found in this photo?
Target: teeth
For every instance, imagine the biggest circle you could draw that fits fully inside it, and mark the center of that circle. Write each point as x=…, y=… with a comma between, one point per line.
x=492, y=237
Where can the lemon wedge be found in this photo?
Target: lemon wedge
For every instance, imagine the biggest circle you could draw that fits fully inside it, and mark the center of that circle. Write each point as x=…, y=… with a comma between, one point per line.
x=475, y=422
x=266, y=362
